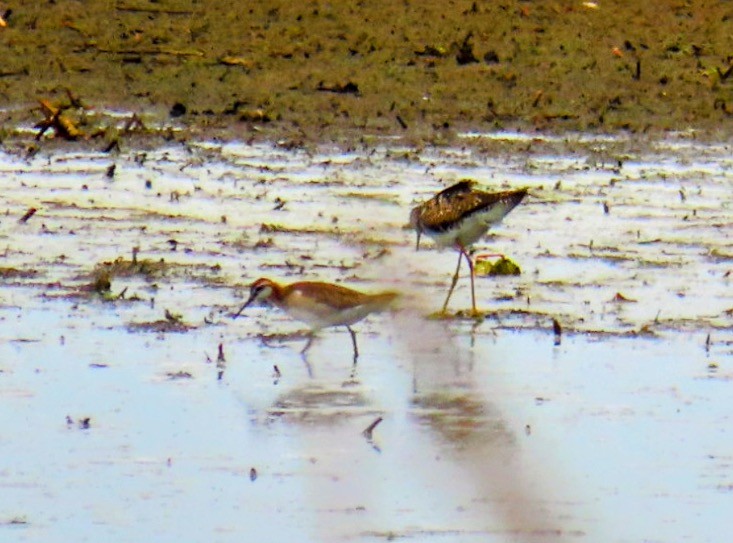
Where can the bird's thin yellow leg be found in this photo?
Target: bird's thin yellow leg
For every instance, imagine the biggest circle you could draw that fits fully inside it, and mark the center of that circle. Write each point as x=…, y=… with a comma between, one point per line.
x=454, y=281
x=473, y=288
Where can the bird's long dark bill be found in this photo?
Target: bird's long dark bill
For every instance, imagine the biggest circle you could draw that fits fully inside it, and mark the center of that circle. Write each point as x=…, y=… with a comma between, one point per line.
x=251, y=298
x=417, y=245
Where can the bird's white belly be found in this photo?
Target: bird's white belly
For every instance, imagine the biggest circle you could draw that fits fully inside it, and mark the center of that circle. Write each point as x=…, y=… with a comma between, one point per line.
x=470, y=229
x=318, y=316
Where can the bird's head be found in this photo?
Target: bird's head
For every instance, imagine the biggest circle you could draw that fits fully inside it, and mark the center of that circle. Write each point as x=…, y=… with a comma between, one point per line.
x=416, y=224
x=260, y=290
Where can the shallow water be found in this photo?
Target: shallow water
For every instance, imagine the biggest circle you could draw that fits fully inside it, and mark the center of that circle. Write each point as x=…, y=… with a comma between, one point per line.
x=490, y=432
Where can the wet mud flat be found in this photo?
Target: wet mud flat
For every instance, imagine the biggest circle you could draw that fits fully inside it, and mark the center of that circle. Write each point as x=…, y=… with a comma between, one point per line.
x=321, y=71
x=137, y=408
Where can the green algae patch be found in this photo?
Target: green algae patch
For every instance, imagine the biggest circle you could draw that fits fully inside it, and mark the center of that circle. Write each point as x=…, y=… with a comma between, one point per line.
x=503, y=266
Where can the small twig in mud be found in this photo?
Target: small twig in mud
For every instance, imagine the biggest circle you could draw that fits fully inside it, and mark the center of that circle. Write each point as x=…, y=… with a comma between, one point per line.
x=656, y=318
x=122, y=293
x=173, y=318
x=725, y=74
x=172, y=375
x=60, y=124
x=141, y=9
x=221, y=362
x=557, y=329
x=112, y=145
x=74, y=100
x=637, y=73
x=367, y=433
x=28, y=214
x=14, y=73
x=133, y=123
x=621, y=298
x=83, y=424
x=465, y=51
x=537, y=97
x=169, y=52
x=340, y=88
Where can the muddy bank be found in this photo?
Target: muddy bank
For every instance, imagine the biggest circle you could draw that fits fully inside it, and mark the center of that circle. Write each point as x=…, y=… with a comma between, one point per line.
x=314, y=71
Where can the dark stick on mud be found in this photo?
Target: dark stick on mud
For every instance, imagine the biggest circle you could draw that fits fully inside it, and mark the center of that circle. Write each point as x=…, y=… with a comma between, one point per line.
x=28, y=214
x=558, y=331
x=221, y=362
x=137, y=9
x=367, y=433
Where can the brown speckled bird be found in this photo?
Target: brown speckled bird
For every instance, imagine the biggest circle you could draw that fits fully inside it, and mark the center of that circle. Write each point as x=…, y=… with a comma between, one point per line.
x=458, y=216
x=319, y=305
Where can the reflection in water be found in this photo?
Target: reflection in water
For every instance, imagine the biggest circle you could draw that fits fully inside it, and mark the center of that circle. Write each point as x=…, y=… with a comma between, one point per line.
x=461, y=419
x=471, y=431
x=315, y=403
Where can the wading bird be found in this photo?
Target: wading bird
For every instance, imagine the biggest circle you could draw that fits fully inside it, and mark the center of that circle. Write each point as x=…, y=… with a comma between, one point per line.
x=458, y=217
x=319, y=305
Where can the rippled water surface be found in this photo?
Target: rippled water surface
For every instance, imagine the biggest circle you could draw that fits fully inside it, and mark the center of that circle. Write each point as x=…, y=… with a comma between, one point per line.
x=123, y=420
